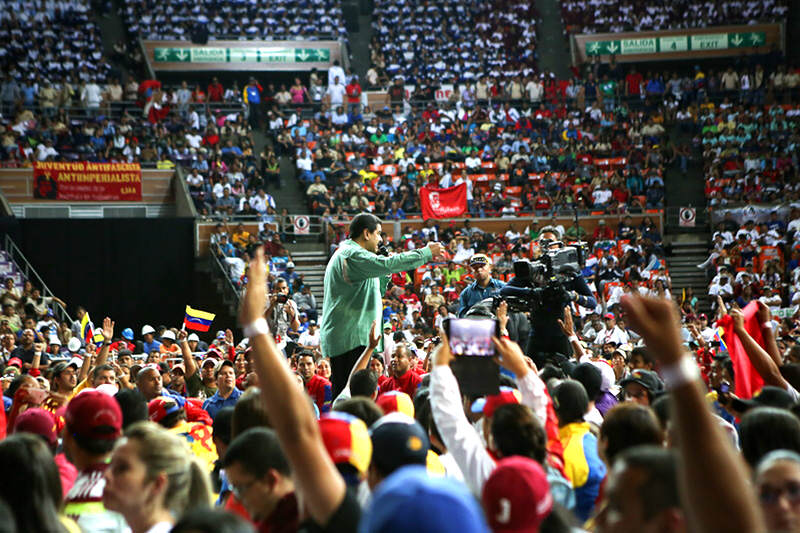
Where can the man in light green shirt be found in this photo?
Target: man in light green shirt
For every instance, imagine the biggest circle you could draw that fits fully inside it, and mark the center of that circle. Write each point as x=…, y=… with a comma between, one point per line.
x=355, y=279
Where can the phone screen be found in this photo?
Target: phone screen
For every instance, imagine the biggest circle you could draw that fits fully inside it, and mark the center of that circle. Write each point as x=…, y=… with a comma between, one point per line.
x=472, y=336
x=471, y=343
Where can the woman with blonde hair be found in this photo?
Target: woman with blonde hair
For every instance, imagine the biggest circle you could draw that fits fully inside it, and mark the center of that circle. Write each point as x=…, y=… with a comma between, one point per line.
x=153, y=479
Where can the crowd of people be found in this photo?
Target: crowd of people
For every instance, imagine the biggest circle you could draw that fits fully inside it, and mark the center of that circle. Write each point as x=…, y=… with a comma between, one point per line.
x=599, y=16
x=224, y=20
x=453, y=41
x=754, y=256
x=68, y=46
x=231, y=435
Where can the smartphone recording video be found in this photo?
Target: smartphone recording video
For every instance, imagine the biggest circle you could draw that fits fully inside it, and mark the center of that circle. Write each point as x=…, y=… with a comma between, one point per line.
x=474, y=366
x=471, y=336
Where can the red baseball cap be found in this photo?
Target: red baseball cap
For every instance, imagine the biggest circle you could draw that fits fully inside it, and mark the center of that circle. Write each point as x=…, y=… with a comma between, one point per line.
x=161, y=407
x=94, y=415
x=489, y=405
x=39, y=422
x=609, y=315
x=517, y=496
x=15, y=361
x=396, y=401
x=347, y=440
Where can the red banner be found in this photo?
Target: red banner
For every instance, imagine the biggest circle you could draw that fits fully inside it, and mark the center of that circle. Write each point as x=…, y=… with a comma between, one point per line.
x=443, y=203
x=85, y=181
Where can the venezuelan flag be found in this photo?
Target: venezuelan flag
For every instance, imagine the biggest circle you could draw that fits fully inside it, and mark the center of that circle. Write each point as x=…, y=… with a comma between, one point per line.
x=86, y=328
x=718, y=334
x=198, y=320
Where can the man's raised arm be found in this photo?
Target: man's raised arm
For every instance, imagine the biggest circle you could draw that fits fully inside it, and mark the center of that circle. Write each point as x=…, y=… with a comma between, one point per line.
x=320, y=486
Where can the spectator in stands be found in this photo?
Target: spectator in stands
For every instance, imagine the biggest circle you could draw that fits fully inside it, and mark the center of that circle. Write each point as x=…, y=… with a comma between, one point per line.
x=93, y=423
x=227, y=394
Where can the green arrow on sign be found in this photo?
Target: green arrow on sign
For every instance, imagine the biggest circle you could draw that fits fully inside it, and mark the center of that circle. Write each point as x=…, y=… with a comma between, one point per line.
x=302, y=55
x=182, y=55
x=736, y=39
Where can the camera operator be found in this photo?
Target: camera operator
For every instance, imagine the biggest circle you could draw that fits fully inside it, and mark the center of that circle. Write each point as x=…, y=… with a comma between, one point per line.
x=484, y=286
x=546, y=336
x=282, y=312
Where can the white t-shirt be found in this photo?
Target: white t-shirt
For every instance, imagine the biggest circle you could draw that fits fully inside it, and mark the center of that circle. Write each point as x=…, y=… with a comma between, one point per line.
x=336, y=94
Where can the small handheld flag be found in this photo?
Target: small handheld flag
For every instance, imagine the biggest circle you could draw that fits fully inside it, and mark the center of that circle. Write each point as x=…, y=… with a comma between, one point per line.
x=86, y=328
x=197, y=320
x=718, y=334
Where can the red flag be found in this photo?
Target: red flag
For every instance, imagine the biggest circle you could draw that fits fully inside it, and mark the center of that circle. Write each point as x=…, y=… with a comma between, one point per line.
x=747, y=380
x=443, y=203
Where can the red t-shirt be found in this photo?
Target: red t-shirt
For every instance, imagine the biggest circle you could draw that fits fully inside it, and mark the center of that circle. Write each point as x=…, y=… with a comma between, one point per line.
x=408, y=383
x=353, y=91
x=321, y=392
x=634, y=82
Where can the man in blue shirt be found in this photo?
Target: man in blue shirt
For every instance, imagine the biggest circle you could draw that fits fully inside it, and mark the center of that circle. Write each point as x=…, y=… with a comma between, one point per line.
x=483, y=287
x=148, y=339
x=227, y=394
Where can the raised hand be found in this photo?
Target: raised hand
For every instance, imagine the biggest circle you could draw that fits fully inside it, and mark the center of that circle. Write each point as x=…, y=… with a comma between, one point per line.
x=108, y=329
x=374, y=335
x=657, y=321
x=567, y=325
x=510, y=356
x=255, y=297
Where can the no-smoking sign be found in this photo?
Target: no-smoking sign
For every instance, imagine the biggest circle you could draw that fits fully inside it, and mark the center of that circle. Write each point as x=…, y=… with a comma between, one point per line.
x=687, y=217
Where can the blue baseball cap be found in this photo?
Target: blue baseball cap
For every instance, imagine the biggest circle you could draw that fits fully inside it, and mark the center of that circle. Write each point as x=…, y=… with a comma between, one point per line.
x=411, y=500
x=127, y=333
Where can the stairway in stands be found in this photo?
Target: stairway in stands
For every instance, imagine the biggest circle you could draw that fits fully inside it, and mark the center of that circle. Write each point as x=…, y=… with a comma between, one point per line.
x=688, y=251
x=310, y=260
x=687, y=247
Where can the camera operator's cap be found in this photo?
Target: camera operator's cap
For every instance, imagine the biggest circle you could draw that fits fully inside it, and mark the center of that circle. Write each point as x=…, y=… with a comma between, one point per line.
x=517, y=496
x=646, y=378
x=347, y=440
x=193, y=337
x=768, y=396
x=396, y=402
x=161, y=407
x=480, y=259
x=94, y=415
x=490, y=403
x=398, y=440
x=147, y=329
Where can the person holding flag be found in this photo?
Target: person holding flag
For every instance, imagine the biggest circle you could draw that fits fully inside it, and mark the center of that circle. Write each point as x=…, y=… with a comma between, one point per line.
x=82, y=327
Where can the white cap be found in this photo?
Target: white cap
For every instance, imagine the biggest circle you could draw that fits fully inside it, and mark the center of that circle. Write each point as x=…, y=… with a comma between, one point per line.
x=109, y=388
x=193, y=337
x=76, y=361
x=289, y=265
x=168, y=334
x=74, y=344
x=55, y=340
x=147, y=329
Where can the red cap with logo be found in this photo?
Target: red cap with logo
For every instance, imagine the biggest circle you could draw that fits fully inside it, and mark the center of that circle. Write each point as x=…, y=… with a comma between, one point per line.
x=94, y=415
x=161, y=407
x=517, y=496
x=489, y=405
